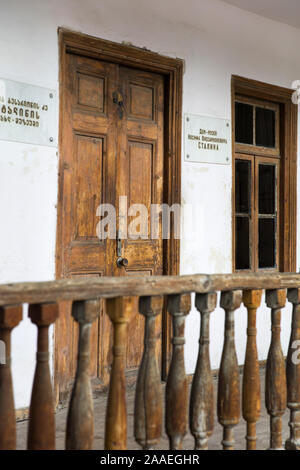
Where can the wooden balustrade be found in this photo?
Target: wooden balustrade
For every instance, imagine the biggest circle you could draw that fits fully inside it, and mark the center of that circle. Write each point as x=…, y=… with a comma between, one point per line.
x=282, y=386
x=275, y=370
x=41, y=437
x=293, y=373
x=177, y=388
x=10, y=317
x=251, y=381
x=148, y=397
x=80, y=421
x=229, y=375
x=202, y=393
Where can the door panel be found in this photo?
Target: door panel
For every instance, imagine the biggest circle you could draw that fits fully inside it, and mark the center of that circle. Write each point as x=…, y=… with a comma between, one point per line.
x=136, y=328
x=91, y=91
x=88, y=161
x=141, y=180
x=88, y=186
x=140, y=163
x=112, y=148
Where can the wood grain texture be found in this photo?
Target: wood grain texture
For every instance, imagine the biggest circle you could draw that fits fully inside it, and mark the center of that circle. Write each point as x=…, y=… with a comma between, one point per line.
x=148, y=406
x=251, y=381
x=10, y=317
x=229, y=375
x=80, y=420
x=109, y=287
x=41, y=436
x=275, y=391
x=177, y=387
x=148, y=396
x=87, y=173
x=202, y=392
x=140, y=177
x=293, y=373
x=92, y=110
x=119, y=311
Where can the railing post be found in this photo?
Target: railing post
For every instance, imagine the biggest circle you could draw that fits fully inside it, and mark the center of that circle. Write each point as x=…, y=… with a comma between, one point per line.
x=177, y=388
x=119, y=310
x=202, y=393
x=229, y=376
x=293, y=373
x=148, y=399
x=41, y=430
x=10, y=317
x=80, y=421
x=251, y=381
x=275, y=371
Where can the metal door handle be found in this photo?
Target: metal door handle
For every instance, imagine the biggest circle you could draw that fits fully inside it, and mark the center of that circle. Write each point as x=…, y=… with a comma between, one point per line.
x=118, y=100
x=122, y=262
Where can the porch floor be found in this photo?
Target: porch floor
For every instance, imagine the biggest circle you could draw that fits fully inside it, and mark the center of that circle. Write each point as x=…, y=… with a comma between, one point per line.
x=214, y=442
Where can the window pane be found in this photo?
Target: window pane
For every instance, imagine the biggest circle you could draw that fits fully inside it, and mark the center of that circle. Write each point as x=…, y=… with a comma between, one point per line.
x=266, y=244
x=244, y=123
x=267, y=185
x=265, y=127
x=242, y=185
x=242, y=255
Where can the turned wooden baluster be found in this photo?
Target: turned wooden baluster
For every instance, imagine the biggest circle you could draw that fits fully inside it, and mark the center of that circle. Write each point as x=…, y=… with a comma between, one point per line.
x=119, y=310
x=293, y=373
x=80, y=421
x=229, y=376
x=10, y=317
x=251, y=381
x=41, y=430
x=275, y=370
x=148, y=399
x=177, y=387
x=202, y=393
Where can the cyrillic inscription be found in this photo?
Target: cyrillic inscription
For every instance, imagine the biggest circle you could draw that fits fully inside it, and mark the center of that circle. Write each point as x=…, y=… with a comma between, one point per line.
x=207, y=139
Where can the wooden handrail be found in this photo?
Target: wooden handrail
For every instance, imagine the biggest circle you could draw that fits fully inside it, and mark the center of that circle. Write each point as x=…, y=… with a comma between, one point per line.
x=43, y=298
x=109, y=287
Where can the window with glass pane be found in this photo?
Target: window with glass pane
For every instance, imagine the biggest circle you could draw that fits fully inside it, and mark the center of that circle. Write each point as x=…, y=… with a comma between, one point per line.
x=266, y=243
x=242, y=211
x=242, y=185
x=267, y=219
x=265, y=127
x=244, y=123
x=256, y=125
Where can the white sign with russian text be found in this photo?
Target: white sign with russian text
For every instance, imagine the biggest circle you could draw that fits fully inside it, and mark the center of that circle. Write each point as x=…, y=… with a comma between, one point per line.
x=207, y=139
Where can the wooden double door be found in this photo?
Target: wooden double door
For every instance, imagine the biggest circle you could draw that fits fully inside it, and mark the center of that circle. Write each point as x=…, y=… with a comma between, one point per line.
x=112, y=145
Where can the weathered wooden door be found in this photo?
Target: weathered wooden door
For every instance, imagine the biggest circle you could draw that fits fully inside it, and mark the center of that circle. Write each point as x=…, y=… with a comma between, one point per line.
x=112, y=146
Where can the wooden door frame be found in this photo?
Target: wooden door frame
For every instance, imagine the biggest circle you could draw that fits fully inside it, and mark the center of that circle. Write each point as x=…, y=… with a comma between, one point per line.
x=172, y=70
x=288, y=180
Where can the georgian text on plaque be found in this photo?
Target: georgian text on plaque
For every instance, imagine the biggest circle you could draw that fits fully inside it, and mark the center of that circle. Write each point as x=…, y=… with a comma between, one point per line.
x=27, y=113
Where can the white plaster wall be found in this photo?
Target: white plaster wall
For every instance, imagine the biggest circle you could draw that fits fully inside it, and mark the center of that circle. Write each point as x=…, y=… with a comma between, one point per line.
x=215, y=40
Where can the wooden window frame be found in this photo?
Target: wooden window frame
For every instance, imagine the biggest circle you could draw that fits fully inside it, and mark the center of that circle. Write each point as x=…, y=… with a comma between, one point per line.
x=257, y=149
x=256, y=160
x=288, y=111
